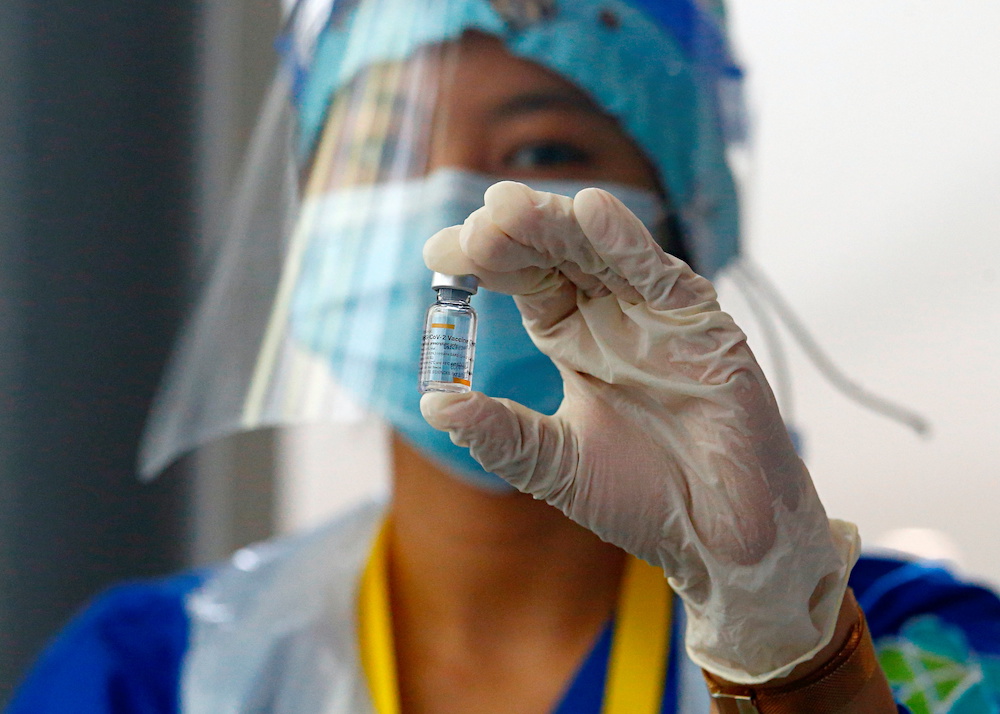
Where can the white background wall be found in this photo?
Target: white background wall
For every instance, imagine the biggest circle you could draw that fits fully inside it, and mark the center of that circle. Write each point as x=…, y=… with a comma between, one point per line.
x=874, y=203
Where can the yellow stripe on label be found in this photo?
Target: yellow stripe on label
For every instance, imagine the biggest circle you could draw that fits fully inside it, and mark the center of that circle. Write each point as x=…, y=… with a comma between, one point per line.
x=442, y=325
x=466, y=382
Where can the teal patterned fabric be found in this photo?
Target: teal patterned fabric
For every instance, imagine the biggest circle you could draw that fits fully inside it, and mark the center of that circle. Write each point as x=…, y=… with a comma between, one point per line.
x=933, y=670
x=937, y=635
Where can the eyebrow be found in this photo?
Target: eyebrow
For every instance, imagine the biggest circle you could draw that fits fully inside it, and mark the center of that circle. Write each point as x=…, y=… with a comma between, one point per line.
x=529, y=102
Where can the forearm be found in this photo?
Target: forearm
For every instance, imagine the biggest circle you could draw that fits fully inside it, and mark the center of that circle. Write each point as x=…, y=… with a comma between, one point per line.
x=843, y=677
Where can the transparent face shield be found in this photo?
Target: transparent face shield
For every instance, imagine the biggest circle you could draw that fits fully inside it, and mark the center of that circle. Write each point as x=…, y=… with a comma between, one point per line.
x=386, y=123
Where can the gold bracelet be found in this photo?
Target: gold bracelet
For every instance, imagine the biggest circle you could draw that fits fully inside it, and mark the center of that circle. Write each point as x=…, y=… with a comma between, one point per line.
x=826, y=691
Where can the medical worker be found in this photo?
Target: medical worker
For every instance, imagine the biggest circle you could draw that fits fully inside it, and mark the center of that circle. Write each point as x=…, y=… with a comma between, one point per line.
x=614, y=519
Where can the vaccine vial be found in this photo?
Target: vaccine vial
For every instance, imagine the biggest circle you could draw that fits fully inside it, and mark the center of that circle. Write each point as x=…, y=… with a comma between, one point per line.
x=449, y=343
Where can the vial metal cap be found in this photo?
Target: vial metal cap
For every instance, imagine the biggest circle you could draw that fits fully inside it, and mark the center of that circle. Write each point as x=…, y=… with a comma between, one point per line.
x=465, y=283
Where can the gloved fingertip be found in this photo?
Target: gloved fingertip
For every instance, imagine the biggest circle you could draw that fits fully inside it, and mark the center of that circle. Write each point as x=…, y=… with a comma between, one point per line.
x=443, y=410
x=442, y=253
x=510, y=195
x=592, y=193
x=502, y=187
x=593, y=204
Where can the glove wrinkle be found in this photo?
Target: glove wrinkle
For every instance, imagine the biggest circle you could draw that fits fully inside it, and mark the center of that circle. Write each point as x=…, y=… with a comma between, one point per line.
x=589, y=286
x=626, y=246
x=496, y=250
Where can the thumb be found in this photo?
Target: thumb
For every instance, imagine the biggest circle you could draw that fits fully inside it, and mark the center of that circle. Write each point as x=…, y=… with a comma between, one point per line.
x=529, y=450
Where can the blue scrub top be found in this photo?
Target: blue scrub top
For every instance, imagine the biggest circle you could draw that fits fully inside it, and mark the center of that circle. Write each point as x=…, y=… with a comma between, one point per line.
x=123, y=653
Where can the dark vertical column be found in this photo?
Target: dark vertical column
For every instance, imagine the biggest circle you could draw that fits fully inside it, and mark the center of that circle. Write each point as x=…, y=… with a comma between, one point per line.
x=13, y=357
x=96, y=136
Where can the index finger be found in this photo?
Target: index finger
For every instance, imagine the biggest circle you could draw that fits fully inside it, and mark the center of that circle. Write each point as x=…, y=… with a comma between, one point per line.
x=443, y=253
x=546, y=225
x=621, y=240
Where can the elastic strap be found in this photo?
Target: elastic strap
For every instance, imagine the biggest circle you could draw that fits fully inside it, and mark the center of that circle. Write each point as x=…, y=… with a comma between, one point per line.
x=378, y=652
x=640, y=650
x=638, y=660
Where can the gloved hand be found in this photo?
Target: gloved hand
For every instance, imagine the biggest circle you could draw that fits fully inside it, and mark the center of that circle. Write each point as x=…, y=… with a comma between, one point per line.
x=668, y=442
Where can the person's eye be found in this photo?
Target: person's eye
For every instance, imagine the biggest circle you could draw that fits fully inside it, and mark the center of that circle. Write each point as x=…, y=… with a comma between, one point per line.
x=549, y=154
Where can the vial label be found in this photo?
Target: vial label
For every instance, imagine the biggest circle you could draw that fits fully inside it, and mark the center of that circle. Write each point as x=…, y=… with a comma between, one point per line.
x=447, y=352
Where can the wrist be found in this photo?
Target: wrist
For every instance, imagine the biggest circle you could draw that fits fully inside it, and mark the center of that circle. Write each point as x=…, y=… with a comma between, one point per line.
x=848, y=619
x=843, y=677
x=767, y=621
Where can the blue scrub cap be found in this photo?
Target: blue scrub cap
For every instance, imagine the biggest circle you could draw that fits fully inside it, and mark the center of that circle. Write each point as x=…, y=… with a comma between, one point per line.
x=662, y=68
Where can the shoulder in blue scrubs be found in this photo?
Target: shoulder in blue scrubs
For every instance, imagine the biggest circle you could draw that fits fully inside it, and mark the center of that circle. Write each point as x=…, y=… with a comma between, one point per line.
x=121, y=655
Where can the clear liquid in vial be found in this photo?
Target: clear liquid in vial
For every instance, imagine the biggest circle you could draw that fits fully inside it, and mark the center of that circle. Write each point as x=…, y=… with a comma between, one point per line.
x=449, y=344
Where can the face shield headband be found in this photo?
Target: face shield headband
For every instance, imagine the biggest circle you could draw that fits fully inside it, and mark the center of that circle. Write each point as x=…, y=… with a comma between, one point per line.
x=665, y=72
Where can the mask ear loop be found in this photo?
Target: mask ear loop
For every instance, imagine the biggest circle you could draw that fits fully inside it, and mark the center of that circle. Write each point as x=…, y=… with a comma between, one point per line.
x=758, y=289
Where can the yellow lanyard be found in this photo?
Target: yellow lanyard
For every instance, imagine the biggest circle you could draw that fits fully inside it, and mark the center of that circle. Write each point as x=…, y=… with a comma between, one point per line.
x=637, y=663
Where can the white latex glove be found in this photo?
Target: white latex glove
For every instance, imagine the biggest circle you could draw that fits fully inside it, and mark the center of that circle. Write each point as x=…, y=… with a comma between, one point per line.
x=668, y=442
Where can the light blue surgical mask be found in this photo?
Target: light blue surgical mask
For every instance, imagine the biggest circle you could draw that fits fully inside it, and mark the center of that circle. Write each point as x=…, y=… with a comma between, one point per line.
x=363, y=290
